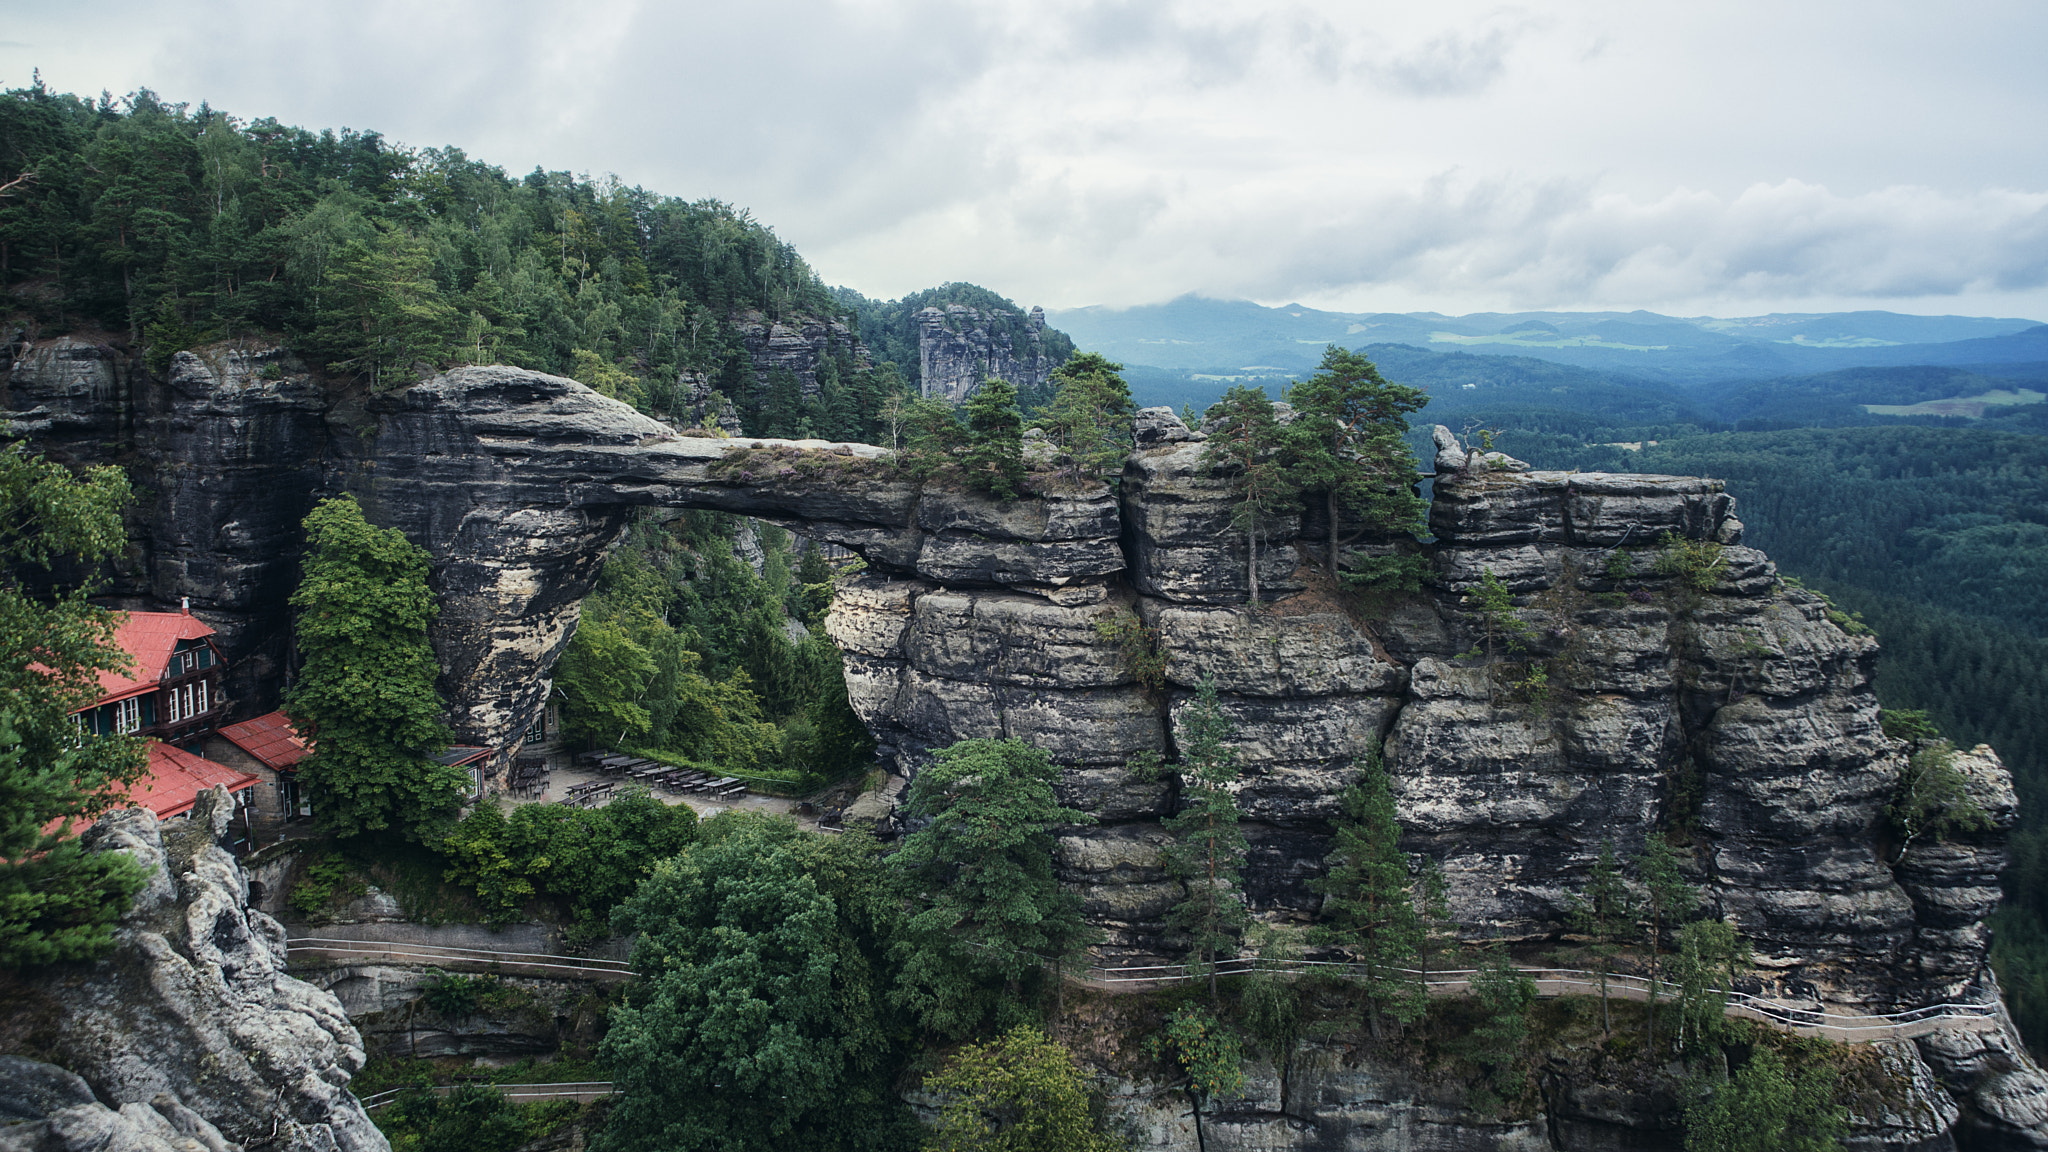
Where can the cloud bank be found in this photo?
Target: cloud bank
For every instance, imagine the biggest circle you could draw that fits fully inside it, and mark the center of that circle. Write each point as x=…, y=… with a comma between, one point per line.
x=1454, y=156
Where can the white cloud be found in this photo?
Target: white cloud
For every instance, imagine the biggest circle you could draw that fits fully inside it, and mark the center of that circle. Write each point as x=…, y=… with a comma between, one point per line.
x=1449, y=156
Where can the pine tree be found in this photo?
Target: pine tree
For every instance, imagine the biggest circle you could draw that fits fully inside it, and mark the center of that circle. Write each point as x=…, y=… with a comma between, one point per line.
x=1348, y=443
x=365, y=696
x=1090, y=416
x=1367, y=903
x=1604, y=914
x=1670, y=899
x=1207, y=846
x=994, y=461
x=1438, y=933
x=986, y=910
x=1246, y=447
x=57, y=901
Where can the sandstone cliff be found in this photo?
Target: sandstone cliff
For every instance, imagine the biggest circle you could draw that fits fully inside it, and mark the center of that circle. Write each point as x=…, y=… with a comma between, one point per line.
x=1718, y=700
x=189, y=1030
x=959, y=347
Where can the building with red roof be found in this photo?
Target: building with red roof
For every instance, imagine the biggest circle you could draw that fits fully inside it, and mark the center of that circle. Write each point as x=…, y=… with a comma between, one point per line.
x=177, y=777
x=171, y=690
x=268, y=748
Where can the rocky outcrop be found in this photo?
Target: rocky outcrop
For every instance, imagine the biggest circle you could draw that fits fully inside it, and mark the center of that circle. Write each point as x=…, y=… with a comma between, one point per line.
x=797, y=346
x=44, y=1108
x=958, y=347
x=1651, y=674
x=191, y=1016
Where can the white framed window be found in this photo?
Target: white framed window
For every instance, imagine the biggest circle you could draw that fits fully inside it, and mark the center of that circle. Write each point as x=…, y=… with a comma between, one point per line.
x=201, y=687
x=128, y=715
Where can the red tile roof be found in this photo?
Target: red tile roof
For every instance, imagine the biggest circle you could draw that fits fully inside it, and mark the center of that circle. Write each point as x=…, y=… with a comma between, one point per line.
x=148, y=637
x=176, y=778
x=269, y=738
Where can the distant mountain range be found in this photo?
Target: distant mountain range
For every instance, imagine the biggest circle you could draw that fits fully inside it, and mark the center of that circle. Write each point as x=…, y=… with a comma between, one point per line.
x=1229, y=338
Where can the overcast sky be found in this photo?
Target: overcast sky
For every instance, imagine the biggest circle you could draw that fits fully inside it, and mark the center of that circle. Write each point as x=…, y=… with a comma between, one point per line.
x=1726, y=158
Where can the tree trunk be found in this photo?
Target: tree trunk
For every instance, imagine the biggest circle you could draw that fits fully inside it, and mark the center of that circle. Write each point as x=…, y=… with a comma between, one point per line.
x=1251, y=567
x=1332, y=498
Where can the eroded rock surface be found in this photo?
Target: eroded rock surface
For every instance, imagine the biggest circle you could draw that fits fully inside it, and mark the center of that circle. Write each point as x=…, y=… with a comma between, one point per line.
x=192, y=1014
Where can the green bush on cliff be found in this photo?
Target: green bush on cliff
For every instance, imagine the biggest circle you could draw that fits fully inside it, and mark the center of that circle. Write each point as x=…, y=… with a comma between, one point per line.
x=1018, y=1093
x=587, y=860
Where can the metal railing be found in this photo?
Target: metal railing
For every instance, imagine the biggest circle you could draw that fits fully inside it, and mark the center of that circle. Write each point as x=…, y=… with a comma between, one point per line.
x=1564, y=981
x=571, y=1090
x=404, y=952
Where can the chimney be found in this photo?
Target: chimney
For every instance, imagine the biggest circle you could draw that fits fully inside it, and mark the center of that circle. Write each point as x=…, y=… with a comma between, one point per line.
x=185, y=605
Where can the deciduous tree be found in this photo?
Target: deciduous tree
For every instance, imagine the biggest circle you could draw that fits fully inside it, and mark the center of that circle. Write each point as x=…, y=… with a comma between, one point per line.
x=365, y=694
x=1018, y=1093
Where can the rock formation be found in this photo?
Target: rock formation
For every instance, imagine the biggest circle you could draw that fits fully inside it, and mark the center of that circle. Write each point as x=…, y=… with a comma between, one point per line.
x=797, y=347
x=959, y=347
x=189, y=1033
x=1682, y=683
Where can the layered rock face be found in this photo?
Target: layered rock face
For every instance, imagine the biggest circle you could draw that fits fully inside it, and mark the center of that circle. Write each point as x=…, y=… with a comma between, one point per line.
x=797, y=346
x=190, y=1030
x=958, y=347
x=1651, y=673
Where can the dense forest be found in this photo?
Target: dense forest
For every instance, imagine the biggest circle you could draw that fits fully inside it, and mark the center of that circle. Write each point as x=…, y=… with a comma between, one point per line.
x=162, y=227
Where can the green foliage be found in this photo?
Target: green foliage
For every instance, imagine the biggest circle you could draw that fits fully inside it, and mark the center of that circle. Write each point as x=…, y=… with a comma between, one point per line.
x=1619, y=566
x=1710, y=957
x=994, y=461
x=1020, y=1092
x=1090, y=417
x=1271, y=999
x=327, y=882
x=57, y=902
x=1138, y=650
x=1603, y=914
x=1207, y=1051
x=587, y=860
x=759, y=1021
x=1669, y=898
x=1368, y=906
x=1208, y=847
x=1247, y=449
x=932, y=436
x=182, y=226
x=1698, y=564
x=602, y=676
x=1500, y=629
x=1504, y=995
x=365, y=694
x=454, y=996
x=469, y=1118
x=1767, y=1107
x=986, y=911
x=1933, y=799
x=1907, y=724
x=1348, y=445
x=685, y=653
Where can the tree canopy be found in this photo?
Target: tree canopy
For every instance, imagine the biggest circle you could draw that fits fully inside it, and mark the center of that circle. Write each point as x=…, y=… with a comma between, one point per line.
x=57, y=902
x=760, y=1020
x=365, y=695
x=987, y=912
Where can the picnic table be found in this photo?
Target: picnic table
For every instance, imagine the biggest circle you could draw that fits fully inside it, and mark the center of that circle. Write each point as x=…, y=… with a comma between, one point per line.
x=650, y=769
